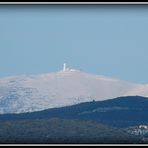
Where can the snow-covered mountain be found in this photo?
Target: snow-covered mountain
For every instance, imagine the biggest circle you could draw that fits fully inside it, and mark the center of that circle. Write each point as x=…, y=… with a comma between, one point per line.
x=67, y=87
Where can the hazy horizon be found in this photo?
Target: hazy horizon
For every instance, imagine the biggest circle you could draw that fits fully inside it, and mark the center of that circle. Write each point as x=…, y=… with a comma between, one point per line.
x=105, y=40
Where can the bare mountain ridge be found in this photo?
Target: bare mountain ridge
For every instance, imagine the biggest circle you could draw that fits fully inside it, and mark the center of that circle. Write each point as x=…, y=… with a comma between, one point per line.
x=63, y=88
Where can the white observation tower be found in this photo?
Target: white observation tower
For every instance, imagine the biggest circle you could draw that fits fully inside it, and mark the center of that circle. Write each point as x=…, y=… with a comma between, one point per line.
x=65, y=68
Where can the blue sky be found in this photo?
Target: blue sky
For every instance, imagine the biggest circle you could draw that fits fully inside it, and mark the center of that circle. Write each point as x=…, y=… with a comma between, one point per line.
x=100, y=39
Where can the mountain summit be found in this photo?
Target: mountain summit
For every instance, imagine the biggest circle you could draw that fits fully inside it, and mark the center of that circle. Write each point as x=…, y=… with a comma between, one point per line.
x=63, y=88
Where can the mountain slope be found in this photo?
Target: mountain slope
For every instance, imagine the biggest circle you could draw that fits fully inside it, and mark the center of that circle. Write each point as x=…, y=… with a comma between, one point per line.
x=38, y=92
x=118, y=112
x=56, y=130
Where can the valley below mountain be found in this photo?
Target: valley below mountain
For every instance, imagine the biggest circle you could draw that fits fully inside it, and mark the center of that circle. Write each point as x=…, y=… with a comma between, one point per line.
x=122, y=120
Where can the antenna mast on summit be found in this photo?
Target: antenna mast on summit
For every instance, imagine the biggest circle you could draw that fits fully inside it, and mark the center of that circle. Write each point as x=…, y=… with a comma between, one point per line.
x=64, y=67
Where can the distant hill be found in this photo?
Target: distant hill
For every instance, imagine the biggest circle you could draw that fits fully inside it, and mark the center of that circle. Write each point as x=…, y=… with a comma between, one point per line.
x=118, y=112
x=29, y=93
x=60, y=131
